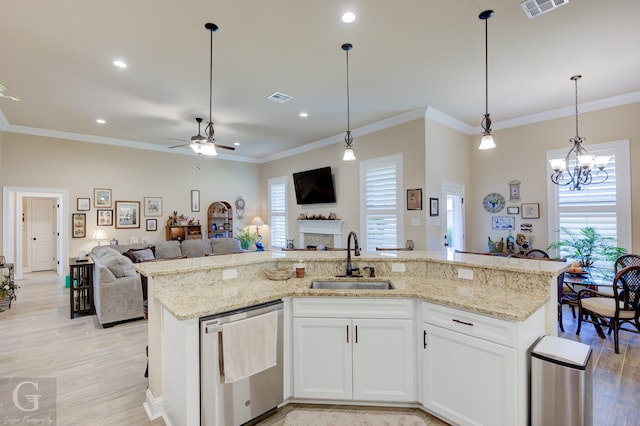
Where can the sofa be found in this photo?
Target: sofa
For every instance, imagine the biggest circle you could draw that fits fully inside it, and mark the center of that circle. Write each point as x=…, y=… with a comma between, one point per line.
x=119, y=290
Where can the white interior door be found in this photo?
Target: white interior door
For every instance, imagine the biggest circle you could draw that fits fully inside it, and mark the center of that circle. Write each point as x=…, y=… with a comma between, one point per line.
x=453, y=196
x=42, y=233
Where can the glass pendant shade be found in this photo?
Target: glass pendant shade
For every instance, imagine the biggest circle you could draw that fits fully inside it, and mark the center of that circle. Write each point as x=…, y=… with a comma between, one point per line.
x=487, y=142
x=348, y=155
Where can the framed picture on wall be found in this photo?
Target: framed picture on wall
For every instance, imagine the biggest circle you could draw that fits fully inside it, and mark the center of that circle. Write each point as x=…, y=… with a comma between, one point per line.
x=152, y=224
x=434, y=207
x=101, y=198
x=153, y=206
x=84, y=204
x=503, y=222
x=105, y=217
x=127, y=214
x=530, y=210
x=414, y=199
x=79, y=225
x=195, y=200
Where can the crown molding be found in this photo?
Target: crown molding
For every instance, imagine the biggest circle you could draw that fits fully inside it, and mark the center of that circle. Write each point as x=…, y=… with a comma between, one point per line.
x=360, y=131
x=429, y=112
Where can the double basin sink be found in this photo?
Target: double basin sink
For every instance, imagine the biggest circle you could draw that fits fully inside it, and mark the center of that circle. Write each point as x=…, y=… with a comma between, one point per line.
x=351, y=285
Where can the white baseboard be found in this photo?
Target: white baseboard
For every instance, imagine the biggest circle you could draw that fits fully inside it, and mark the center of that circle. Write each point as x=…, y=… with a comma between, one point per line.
x=154, y=407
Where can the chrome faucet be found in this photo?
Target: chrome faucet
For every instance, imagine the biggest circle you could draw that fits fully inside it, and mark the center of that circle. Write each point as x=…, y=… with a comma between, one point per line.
x=356, y=252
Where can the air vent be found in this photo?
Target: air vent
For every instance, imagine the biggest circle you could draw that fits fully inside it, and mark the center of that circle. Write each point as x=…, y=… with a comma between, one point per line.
x=535, y=8
x=279, y=97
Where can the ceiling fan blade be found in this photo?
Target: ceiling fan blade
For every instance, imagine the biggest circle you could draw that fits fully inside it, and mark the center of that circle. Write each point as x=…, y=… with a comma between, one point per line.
x=178, y=146
x=230, y=148
x=176, y=139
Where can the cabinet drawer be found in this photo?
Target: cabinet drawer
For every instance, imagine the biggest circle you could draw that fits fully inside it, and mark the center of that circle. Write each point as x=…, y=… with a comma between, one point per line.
x=483, y=327
x=339, y=307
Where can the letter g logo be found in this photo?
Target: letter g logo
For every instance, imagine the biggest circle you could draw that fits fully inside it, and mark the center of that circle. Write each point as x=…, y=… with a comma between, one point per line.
x=33, y=398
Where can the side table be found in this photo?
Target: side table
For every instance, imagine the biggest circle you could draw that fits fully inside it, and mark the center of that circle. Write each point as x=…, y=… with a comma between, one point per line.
x=81, y=287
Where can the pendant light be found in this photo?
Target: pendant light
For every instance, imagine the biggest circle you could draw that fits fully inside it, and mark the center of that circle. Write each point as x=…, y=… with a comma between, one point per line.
x=349, y=155
x=487, y=139
x=208, y=146
x=577, y=172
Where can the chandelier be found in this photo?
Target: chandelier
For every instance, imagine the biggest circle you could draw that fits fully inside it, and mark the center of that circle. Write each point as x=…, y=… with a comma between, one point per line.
x=579, y=168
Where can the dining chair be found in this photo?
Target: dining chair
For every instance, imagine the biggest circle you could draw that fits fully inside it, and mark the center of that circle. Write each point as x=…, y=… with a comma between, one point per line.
x=537, y=253
x=625, y=261
x=623, y=307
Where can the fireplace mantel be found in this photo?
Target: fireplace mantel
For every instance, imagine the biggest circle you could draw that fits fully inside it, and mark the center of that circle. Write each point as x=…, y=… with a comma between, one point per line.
x=330, y=227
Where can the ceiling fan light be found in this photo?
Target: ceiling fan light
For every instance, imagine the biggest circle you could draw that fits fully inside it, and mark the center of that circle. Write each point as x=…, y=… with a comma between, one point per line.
x=487, y=142
x=209, y=149
x=348, y=155
x=196, y=147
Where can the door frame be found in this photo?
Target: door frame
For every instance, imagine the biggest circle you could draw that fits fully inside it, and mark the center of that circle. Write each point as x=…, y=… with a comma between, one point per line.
x=12, y=211
x=456, y=187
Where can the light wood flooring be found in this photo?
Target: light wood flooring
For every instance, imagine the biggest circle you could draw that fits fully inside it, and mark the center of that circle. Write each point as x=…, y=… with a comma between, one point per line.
x=100, y=372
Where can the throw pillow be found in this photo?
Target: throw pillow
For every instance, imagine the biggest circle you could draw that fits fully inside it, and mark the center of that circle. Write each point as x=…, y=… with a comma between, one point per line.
x=135, y=257
x=143, y=255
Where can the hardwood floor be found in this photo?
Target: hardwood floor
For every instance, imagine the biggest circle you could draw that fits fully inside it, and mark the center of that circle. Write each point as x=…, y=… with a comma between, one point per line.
x=100, y=372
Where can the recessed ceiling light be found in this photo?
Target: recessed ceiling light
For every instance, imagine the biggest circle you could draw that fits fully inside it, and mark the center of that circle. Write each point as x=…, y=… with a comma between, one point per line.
x=100, y=121
x=236, y=143
x=303, y=114
x=348, y=17
x=120, y=64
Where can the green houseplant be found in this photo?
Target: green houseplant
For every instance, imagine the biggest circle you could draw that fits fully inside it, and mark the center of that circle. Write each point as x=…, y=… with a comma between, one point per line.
x=247, y=238
x=8, y=288
x=586, y=246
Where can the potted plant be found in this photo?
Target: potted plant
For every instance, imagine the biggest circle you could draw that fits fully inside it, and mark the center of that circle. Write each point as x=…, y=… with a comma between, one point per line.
x=8, y=289
x=247, y=238
x=587, y=246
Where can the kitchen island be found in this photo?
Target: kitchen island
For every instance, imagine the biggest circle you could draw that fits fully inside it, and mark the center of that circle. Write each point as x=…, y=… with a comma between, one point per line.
x=182, y=291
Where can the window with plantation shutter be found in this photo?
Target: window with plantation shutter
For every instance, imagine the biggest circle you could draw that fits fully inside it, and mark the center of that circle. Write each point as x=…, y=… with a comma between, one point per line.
x=278, y=211
x=381, y=202
x=605, y=206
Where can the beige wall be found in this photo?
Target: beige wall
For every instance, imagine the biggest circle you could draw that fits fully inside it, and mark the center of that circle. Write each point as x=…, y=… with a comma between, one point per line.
x=447, y=159
x=407, y=138
x=521, y=155
x=131, y=174
x=432, y=153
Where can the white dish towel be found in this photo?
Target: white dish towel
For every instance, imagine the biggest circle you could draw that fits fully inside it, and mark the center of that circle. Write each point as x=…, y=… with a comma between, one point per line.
x=249, y=346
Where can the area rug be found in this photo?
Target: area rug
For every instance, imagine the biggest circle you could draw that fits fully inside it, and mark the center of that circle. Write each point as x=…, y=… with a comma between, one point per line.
x=326, y=418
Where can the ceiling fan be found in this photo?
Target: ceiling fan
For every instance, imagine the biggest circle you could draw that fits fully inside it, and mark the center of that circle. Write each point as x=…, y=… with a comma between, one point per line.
x=3, y=95
x=198, y=141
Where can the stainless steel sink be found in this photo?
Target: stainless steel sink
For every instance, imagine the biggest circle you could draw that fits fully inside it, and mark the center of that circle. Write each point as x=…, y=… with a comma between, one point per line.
x=352, y=285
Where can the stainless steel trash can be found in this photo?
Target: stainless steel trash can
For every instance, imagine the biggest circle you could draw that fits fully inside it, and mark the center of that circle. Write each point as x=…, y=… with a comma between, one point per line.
x=561, y=383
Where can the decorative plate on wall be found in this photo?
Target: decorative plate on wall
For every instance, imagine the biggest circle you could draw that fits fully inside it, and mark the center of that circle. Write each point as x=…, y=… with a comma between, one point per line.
x=493, y=202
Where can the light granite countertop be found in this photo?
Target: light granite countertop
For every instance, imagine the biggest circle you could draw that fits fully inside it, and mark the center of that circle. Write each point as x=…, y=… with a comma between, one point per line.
x=507, y=288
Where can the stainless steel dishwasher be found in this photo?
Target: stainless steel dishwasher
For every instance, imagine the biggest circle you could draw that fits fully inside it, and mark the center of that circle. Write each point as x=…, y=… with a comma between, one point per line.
x=226, y=404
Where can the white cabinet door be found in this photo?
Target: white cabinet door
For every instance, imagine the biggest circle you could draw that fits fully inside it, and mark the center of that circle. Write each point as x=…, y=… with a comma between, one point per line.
x=383, y=360
x=467, y=380
x=322, y=358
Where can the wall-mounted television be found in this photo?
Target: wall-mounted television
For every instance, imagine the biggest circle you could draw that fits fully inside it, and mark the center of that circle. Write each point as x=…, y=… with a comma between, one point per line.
x=314, y=186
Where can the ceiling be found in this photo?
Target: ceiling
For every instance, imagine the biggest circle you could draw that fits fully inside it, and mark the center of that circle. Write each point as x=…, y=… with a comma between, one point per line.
x=408, y=55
